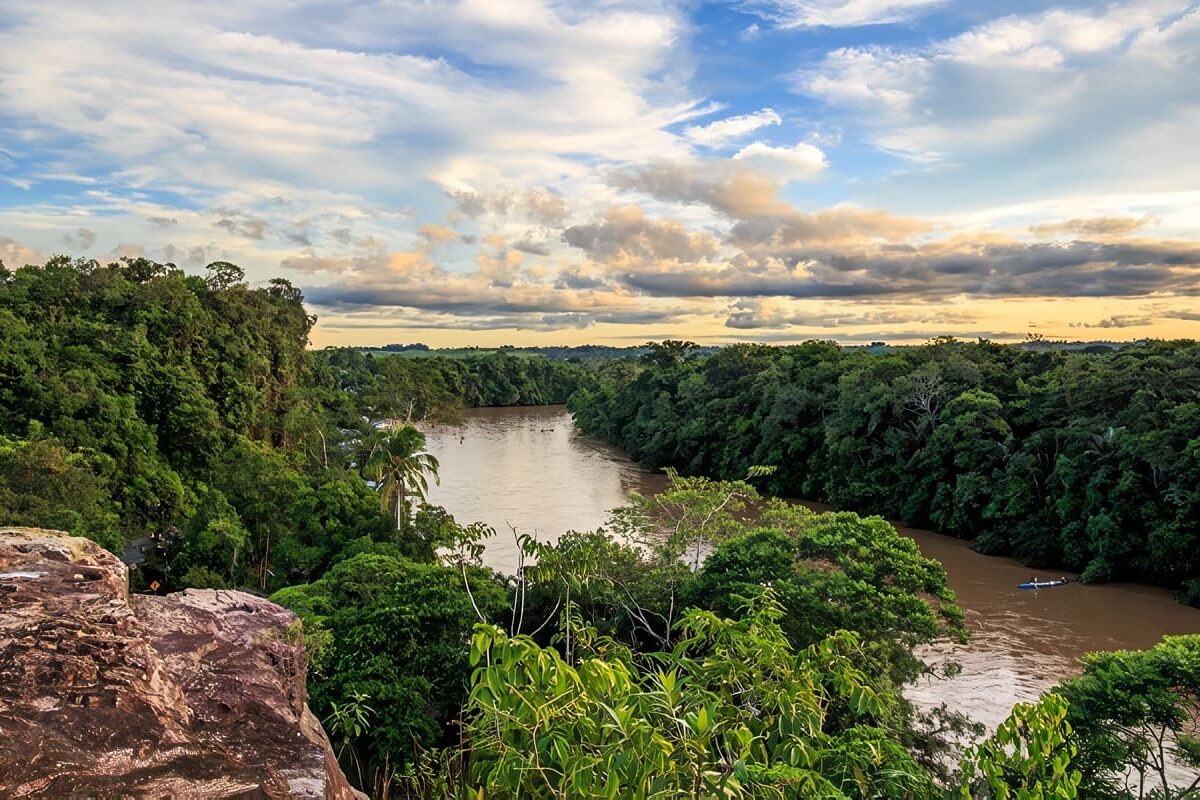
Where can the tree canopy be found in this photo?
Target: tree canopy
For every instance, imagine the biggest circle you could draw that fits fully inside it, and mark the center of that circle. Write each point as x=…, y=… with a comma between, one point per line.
x=1084, y=461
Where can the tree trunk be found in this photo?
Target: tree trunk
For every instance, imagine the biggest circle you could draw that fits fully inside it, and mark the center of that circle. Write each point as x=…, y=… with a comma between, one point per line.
x=400, y=507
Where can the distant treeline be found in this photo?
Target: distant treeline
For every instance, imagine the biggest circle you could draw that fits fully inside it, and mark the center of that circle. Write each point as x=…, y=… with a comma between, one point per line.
x=583, y=353
x=1089, y=462
x=435, y=386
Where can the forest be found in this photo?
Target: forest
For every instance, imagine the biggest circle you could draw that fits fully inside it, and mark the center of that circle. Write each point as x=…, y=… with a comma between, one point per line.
x=709, y=641
x=1083, y=461
x=137, y=402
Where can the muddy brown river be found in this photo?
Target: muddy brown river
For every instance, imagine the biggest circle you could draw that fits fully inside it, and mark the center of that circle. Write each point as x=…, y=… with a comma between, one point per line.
x=529, y=468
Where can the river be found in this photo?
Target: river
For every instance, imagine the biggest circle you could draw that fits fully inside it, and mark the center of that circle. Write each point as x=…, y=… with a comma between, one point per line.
x=530, y=468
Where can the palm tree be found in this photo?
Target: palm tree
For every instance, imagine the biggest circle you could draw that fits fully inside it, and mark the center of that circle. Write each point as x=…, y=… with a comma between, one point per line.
x=399, y=464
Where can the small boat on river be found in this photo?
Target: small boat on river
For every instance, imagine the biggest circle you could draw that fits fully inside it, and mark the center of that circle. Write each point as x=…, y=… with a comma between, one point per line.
x=1034, y=583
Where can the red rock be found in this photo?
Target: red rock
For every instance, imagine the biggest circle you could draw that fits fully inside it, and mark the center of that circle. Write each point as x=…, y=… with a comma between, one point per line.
x=197, y=694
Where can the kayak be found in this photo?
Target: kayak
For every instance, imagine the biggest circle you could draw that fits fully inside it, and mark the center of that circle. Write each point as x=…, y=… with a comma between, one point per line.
x=1036, y=584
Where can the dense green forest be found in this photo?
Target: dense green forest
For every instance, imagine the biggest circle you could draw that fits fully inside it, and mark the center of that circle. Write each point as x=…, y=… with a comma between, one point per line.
x=708, y=643
x=1085, y=461
x=139, y=402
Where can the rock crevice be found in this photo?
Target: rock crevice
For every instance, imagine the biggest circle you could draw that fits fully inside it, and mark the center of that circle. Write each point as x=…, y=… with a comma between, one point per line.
x=196, y=694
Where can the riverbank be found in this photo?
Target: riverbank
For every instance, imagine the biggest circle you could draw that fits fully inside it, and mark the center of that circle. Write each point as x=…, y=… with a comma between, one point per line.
x=530, y=468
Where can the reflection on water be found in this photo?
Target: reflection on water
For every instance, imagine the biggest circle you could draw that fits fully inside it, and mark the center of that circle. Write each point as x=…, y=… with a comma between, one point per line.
x=531, y=469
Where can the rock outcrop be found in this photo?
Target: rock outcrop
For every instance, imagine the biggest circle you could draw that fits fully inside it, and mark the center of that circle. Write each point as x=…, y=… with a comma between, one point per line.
x=102, y=694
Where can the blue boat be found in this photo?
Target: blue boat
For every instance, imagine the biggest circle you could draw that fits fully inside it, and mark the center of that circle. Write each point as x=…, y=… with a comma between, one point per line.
x=1036, y=584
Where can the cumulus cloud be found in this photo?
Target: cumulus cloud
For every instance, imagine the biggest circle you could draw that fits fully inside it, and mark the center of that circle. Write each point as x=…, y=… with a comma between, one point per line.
x=799, y=162
x=128, y=250
x=556, y=167
x=13, y=254
x=438, y=234
x=532, y=246
x=873, y=78
x=195, y=256
x=726, y=187
x=946, y=270
x=1022, y=86
x=537, y=204
x=751, y=200
x=625, y=233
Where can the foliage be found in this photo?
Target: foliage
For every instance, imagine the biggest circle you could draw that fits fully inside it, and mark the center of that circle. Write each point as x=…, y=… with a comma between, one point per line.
x=140, y=402
x=1028, y=758
x=731, y=711
x=42, y=484
x=618, y=588
x=434, y=387
x=398, y=463
x=1080, y=460
x=689, y=514
x=397, y=632
x=1135, y=713
x=835, y=571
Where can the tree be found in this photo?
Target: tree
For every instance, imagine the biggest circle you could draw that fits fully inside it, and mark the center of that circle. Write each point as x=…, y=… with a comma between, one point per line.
x=398, y=463
x=396, y=633
x=1028, y=758
x=835, y=571
x=42, y=484
x=731, y=711
x=1134, y=712
x=223, y=275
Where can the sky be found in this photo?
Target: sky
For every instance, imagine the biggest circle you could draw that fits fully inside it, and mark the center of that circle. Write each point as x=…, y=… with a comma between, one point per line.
x=529, y=172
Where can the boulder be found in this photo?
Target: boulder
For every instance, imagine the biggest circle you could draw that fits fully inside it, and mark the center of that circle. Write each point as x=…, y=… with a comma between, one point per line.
x=102, y=694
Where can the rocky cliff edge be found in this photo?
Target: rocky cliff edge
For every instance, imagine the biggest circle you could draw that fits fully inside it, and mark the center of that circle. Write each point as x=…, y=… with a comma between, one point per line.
x=103, y=694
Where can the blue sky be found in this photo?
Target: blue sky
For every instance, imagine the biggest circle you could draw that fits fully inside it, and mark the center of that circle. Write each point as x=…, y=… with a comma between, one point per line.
x=530, y=171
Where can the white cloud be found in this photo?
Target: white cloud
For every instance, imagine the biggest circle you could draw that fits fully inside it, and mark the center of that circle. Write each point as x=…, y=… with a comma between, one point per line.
x=14, y=254
x=474, y=163
x=1025, y=85
x=330, y=96
x=723, y=131
x=837, y=13
x=872, y=78
x=800, y=162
